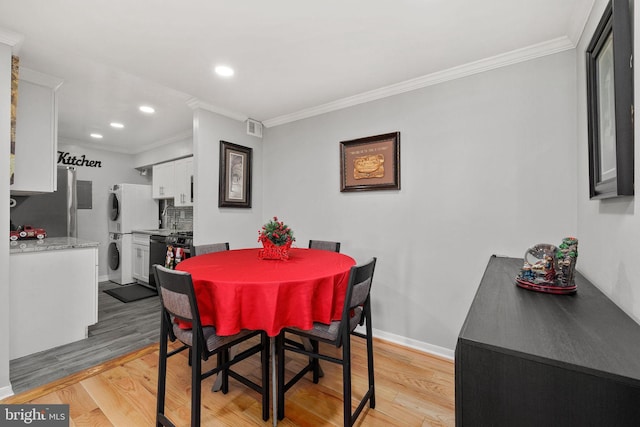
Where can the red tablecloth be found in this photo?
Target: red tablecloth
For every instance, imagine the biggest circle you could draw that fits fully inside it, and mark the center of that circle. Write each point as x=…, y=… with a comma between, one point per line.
x=237, y=290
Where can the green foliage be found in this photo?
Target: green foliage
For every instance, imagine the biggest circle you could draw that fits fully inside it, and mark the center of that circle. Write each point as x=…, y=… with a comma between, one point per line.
x=277, y=232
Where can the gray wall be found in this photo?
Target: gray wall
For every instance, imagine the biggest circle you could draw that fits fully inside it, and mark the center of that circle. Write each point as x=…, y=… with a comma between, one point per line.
x=609, y=230
x=116, y=169
x=488, y=167
x=212, y=224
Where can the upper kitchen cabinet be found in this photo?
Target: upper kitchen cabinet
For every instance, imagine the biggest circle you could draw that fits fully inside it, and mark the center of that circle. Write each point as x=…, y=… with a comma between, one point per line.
x=174, y=180
x=36, y=133
x=164, y=181
x=184, y=182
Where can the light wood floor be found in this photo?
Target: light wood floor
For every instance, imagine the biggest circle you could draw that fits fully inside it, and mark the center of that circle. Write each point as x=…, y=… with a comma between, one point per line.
x=121, y=329
x=412, y=389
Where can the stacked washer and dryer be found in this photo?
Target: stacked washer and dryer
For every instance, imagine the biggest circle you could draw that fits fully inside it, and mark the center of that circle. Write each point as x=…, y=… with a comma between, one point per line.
x=131, y=207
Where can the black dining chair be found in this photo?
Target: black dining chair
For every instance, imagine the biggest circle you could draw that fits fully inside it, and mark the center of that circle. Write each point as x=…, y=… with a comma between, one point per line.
x=356, y=311
x=212, y=247
x=177, y=296
x=324, y=245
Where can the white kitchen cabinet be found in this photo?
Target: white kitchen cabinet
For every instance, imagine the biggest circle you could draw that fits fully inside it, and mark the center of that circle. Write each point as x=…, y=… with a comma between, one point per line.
x=164, y=180
x=53, y=298
x=36, y=134
x=184, y=182
x=140, y=262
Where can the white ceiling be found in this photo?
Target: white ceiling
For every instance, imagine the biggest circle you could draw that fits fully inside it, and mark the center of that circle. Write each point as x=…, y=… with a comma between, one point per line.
x=290, y=56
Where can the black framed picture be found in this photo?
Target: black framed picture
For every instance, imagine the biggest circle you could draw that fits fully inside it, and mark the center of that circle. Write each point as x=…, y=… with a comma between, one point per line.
x=235, y=176
x=370, y=163
x=610, y=104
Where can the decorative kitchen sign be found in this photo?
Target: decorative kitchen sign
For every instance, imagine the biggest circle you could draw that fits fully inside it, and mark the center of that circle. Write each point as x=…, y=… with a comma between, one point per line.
x=66, y=158
x=371, y=163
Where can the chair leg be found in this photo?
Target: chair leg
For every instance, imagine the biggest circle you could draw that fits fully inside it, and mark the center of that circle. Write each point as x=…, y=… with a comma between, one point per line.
x=306, y=342
x=217, y=384
x=225, y=357
x=196, y=370
x=346, y=378
x=162, y=376
x=315, y=362
x=372, y=399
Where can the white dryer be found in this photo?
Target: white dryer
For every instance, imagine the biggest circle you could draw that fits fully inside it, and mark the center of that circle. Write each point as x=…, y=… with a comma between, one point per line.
x=131, y=207
x=120, y=254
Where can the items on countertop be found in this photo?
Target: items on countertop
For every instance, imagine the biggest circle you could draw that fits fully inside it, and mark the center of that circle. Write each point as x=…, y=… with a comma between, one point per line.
x=26, y=232
x=178, y=248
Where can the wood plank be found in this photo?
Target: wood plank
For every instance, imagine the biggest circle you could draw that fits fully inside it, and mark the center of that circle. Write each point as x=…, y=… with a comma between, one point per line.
x=34, y=393
x=405, y=378
x=412, y=389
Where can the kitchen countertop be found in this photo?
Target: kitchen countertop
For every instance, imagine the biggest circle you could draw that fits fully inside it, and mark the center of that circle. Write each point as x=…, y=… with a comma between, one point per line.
x=49, y=244
x=158, y=231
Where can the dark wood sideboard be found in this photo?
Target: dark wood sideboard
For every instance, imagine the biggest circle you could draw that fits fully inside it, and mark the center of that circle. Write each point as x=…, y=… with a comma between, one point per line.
x=525, y=358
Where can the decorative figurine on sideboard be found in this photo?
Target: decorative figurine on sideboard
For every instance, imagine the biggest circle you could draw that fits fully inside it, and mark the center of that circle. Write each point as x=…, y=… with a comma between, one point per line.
x=550, y=269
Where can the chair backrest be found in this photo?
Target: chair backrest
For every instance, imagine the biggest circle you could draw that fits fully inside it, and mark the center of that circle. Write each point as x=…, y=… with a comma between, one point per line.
x=358, y=291
x=212, y=247
x=175, y=289
x=178, y=299
x=325, y=245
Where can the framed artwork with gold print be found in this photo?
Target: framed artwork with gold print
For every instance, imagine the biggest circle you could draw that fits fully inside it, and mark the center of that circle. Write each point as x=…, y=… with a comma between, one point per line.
x=371, y=163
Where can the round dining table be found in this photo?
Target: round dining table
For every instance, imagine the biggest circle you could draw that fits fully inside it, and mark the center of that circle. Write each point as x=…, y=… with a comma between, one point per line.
x=237, y=290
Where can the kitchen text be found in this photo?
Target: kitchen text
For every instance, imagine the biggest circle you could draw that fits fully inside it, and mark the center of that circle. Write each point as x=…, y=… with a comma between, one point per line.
x=67, y=159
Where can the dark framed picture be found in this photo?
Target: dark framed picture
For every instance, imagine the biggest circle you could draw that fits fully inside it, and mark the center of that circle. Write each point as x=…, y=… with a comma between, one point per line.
x=610, y=104
x=235, y=176
x=371, y=163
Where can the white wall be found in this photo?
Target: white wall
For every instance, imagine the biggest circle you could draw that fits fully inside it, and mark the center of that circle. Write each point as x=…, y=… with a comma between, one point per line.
x=5, y=146
x=609, y=230
x=488, y=167
x=212, y=224
x=116, y=169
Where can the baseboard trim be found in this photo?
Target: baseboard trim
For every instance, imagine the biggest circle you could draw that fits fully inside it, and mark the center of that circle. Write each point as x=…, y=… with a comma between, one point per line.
x=5, y=392
x=411, y=343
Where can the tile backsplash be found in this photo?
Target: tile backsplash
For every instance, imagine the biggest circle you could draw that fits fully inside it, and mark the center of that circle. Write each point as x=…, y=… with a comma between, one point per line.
x=176, y=218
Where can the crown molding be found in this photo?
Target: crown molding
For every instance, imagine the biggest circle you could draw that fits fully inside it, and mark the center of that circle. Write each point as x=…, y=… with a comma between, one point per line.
x=187, y=134
x=519, y=55
x=36, y=77
x=92, y=145
x=11, y=39
x=195, y=103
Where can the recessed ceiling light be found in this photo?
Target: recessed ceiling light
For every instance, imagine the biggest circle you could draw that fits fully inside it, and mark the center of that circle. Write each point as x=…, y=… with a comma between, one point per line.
x=147, y=109
x=224, y=71
x=116, y=125
x=96, y=136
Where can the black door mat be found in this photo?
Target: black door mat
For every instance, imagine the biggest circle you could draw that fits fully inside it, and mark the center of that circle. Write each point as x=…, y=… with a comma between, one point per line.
x=131, y=293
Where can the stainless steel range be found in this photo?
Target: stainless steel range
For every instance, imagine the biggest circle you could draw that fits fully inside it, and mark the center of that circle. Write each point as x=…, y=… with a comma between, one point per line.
x=159, y=246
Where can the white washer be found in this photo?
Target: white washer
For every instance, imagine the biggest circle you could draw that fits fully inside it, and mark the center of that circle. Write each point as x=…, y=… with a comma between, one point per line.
x=120, y=253
x=131, y=206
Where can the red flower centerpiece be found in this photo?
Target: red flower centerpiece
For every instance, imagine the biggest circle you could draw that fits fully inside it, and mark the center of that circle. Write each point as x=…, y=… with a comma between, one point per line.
x=276, y=238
